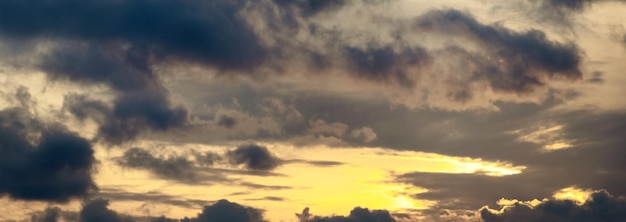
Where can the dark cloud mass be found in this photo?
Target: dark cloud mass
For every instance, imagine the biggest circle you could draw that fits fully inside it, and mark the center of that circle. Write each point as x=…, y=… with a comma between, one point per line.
x=600, y=206
x=168, y=29
x=226, y=211
x=97, y=210
x=116, y=43
x=357, y=214
x=515, y=62
x=253, y=157
x=227, y=121
x=41, y=162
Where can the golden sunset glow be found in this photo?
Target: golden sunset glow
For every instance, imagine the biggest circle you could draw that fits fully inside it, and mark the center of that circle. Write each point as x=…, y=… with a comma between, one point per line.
x=312, y=110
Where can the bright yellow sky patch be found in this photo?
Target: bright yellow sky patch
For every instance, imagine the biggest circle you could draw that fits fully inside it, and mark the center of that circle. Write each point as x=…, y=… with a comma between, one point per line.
x=366, y=179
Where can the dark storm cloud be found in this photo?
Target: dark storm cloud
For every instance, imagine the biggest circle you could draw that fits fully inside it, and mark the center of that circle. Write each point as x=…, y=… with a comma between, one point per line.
x=172, y=167
x=226, y=211
x=97, y=210
x=42, y=162
x=357, y=214
x=141, y=102
x=387, y=64
x=116, y=43
x=168, y=29
x=253, y=157
x=120, y=68
x=515, y=61
x=600, y=206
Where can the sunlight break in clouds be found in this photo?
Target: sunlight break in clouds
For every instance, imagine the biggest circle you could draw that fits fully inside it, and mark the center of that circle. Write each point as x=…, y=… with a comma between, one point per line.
x=312, y=110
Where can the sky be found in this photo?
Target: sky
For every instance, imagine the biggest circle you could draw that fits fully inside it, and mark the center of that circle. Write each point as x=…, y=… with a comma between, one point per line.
x=312, y=110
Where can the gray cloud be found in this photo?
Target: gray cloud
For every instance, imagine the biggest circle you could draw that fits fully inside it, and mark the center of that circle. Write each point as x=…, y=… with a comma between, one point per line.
x=198, y=167
x=593, y=138
x=50, y=214
x=163, y=219
x=312, y=7
x=151, y=197
x=227, y=121
x=263, y=187
x=601, y=206
x=516, y=62
x=320, y=163
x=120, y=53
x=570, y=4
x=253, y=157
x=172, y=167
x=270, y=198
x=127, y=50
x=366, y=134
x=129, y=115
x=97, y=210
x=387, y=64
x=226, y=211
x=559, y=12
x=357, y=214
x=167, y=29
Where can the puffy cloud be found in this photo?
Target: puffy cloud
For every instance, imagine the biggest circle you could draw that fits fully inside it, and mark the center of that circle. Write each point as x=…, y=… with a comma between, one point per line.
x=41, y=161
x=97, y=210
x=253, y=157
x=226, y=211
x=366, y=134
x=600, y=206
